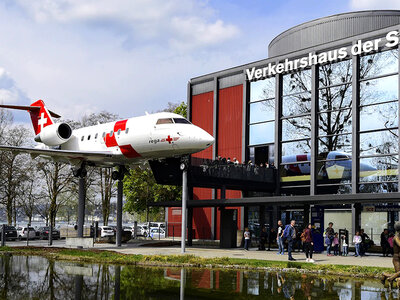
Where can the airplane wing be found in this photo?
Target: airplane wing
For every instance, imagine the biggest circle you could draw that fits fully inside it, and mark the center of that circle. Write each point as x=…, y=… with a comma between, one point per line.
x=73, y=157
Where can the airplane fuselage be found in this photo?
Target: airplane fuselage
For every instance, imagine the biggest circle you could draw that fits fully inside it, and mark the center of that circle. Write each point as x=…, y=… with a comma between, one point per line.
x=141, y=138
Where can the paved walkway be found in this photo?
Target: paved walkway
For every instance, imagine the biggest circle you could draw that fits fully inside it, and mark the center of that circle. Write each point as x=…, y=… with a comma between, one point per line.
x=373, y=260
x=136, y=247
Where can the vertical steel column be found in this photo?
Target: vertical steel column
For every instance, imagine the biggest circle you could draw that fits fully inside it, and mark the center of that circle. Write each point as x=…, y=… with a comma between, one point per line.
x=78, y=286
x=184, y=204
x=190, y=225
x=117, y=284
x=306, y=214
x=398, y=112
x=3, y=235
x=182, y=286
x=245, y=131
x=278, y=131
x=314, y=129
x=81, y=206
x=214, y=210
x=119, y=212
x=355, y=165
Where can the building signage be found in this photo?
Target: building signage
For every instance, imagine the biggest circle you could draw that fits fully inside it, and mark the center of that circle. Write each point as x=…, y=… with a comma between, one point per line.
x=360, y=47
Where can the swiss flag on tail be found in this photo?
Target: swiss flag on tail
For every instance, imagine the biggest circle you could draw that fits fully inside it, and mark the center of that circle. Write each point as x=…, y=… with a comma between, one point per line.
x=40, y=116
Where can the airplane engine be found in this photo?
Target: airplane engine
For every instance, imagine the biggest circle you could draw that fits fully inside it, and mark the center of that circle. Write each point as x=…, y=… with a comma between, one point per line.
x=55, y=134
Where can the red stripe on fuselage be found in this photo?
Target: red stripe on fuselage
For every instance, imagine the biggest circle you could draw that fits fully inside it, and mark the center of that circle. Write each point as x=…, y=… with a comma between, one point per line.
x=126, y=150
x=302, y=157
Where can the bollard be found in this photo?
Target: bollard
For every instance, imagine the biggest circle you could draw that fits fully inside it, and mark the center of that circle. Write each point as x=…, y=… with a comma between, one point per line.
x=134, y=230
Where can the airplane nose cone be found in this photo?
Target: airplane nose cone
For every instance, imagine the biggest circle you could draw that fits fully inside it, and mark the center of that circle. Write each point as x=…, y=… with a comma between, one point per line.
x=208, y=139
x=366, y=167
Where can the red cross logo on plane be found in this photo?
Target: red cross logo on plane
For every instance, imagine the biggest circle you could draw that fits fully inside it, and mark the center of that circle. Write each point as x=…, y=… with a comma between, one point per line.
x=42, y=121
x=169, y=139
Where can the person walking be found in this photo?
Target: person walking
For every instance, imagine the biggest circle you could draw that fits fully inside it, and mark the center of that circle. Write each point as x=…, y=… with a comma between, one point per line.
x=263, y=239
x=384, y=242
x=290, y=235
x=357, y=243
x=279, y=238
x=246, y=239
x=329, y=234
x=308, y=243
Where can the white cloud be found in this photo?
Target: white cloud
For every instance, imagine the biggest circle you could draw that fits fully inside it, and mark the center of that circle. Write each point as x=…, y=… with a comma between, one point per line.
x=10, y=93
x=186, y=24
x=374, y=4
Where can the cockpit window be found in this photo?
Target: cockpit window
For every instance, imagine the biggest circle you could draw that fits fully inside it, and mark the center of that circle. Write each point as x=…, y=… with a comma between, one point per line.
x=181, y=121
x=342, y=156
x=164, y=121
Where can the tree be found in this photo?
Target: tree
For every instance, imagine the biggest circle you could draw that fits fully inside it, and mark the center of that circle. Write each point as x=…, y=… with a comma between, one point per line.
x=13, y=171
x=58, y=178
x=140, y=188
x=180, y=109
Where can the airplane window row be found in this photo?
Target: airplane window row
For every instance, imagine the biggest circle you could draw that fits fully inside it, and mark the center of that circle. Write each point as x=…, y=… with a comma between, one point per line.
x=172, y=121
x=104, y=134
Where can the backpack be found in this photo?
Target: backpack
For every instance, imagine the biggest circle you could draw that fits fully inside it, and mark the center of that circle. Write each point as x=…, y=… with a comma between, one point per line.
x=303, y=237
x=286, y=232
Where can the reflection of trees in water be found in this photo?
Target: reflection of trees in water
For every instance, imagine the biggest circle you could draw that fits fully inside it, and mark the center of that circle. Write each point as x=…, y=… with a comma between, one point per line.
x=141, y=283
x=27, y=277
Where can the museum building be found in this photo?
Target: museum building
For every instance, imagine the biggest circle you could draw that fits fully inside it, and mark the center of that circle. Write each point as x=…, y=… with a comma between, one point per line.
x=323, y=110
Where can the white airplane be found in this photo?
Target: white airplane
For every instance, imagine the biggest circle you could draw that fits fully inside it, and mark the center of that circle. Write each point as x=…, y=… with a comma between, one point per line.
x=300, y=164
x=121, y=143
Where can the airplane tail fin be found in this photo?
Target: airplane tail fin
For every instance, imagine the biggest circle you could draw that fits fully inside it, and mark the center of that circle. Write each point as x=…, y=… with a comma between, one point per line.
x=41, y=117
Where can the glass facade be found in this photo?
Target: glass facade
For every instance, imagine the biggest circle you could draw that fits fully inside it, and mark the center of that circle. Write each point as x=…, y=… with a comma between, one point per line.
x=355, y=93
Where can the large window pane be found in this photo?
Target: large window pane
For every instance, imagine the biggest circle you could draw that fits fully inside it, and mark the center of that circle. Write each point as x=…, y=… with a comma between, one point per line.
x=379, y=116
x=296, y=128
x=336, y=73
x=335, y=97
x=262, y=133
x=298, y=82
x=335, y=122
x=383, y=168
x=380, y=142
x=340, y=143
x=291, y=150
x=262, y=89
x=296, y=104
x=262, y=111
x=379, y=64
x=379, y=90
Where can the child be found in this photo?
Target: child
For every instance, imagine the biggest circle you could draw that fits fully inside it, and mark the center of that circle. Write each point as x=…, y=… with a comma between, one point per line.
x=344, y=245
x=390, y=241
x=336, y=244
x=357, y=243
x=246, y=239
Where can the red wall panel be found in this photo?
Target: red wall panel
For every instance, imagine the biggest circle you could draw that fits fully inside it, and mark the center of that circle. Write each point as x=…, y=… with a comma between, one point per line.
x=230, y=117
x=202, y=116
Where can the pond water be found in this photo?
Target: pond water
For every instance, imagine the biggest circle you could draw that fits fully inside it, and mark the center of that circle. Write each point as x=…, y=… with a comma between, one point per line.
x=23, y=277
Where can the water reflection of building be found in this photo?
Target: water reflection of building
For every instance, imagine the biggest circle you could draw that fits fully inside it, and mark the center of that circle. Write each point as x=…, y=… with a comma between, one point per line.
x=330, y=86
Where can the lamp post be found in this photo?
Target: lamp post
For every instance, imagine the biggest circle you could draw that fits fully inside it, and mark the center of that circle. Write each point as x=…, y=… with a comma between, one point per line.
x=184, y=167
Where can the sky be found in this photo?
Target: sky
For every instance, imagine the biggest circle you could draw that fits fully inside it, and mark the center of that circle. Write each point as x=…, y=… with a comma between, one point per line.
x=129, y=57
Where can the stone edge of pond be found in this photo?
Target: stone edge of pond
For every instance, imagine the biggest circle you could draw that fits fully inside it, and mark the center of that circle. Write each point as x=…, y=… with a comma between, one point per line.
x=160, y=261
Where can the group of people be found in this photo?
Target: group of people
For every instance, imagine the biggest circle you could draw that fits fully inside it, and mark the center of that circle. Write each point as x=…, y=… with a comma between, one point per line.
x=336, y=244
x=228, y=161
